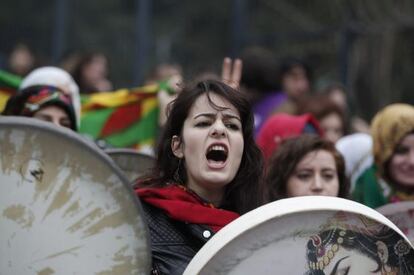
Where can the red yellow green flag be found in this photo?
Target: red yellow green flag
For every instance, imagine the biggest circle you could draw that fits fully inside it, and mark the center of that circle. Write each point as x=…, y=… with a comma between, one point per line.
x=123, y=118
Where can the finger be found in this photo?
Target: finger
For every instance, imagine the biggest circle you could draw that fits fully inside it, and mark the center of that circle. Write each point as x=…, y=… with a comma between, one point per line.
x=226, y=69
x=175, y=83
x=236, y=72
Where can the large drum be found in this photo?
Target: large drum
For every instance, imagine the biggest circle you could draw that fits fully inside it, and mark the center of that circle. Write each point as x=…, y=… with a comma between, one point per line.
x=65, y=207
x=402, y=215
x=307, y=235
x=131, y=162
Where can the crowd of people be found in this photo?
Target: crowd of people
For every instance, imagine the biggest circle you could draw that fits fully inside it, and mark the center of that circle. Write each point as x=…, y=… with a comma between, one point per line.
x=232, y=143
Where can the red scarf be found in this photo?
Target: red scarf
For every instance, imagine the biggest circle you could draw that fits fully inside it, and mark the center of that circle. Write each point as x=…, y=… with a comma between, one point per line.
x=183, y=205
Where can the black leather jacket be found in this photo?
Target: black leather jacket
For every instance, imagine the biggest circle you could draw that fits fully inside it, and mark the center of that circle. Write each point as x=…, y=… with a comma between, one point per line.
x=173, y=243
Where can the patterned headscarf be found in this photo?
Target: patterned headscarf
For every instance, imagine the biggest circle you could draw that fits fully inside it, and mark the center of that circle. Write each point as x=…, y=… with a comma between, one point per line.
x=388, y=127
x=56, y=77
x=32, y=99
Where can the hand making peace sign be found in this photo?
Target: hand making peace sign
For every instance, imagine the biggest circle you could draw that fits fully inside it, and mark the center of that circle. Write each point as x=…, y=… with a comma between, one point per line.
x=231, y=72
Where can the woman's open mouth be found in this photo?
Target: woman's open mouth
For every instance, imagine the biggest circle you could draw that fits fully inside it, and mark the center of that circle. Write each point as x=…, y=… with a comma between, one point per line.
x=217, y=155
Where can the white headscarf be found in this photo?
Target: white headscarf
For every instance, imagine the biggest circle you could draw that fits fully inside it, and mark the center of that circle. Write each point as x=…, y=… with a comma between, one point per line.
x=56, y=77
x=357, y=152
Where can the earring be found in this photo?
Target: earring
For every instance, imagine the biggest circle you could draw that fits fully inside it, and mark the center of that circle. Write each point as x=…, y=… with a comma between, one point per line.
x=176, y=176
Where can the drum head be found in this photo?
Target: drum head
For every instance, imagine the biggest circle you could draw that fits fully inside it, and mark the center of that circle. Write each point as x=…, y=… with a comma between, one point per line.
x=306, y=235
x=402, y=215
x=65, y=208
x=131, y=162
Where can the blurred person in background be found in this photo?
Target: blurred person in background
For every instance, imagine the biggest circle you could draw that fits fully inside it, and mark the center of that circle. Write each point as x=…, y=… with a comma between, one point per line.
x=330, y=116
x=391, y=177
x=91, y=73
x=170, y=78
x=338, y=94
x=281, y=126
x=166, y=72
x=21, y=60
x=69, y=61
x=295, y=78
x=259, y=83
x=304, y=166
x=45, y=103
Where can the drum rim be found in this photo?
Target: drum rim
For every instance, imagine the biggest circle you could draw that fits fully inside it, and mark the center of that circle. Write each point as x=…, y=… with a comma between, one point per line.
x=395, y=208
x=24, y=123
x=291, y=206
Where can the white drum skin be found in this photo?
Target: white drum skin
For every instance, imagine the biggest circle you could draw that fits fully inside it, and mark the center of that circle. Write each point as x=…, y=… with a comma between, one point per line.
x=64, y=206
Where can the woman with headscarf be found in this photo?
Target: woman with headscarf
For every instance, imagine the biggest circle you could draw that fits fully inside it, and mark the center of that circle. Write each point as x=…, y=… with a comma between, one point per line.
x=391, y=177
x=45, y=103
x=55, y=77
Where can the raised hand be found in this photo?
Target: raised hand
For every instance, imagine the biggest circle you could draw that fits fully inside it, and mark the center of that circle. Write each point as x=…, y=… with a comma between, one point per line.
x=174, y=84
x=231, y=72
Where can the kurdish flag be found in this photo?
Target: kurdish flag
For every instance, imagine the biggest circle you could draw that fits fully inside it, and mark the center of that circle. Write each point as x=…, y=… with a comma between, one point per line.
x=9, y=83
x=123, y=118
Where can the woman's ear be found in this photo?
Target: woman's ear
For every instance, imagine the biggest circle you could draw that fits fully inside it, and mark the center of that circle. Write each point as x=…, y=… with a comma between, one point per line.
x=177, y=147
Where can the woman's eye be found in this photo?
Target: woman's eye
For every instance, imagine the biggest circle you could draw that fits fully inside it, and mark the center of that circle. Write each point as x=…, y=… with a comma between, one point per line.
x=202, y=124
x=66, y=124
x=232, y=126
x=304, y=176
x=328, y=176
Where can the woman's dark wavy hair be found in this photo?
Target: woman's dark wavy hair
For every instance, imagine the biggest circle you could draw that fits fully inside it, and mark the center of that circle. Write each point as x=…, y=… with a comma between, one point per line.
x=400, y=255
x=245, y=192
x=284, y=160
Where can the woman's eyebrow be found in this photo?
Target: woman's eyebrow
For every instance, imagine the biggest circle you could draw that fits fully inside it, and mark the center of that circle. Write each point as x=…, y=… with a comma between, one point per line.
x=304, y=169
x=231, y=116
x=212, y=115
x=329, y=169
x=209, y=115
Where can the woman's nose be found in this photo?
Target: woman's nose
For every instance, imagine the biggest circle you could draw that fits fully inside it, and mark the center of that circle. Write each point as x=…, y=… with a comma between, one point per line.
x=56, y=122
x=218, y=129
x=317, y=184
